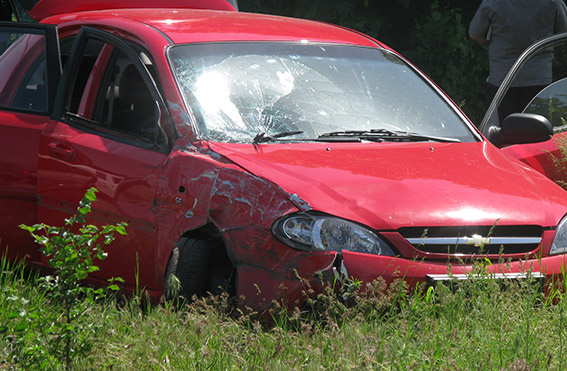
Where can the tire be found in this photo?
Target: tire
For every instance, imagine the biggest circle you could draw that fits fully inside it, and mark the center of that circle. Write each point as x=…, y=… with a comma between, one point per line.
x=189, y=262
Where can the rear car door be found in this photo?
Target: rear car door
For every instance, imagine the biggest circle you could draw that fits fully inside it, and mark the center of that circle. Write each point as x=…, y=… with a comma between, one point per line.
x=30, y=70
x=107, y=133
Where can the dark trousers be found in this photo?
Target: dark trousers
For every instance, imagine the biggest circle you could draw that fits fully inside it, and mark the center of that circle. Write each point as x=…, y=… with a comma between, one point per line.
x=515, y=100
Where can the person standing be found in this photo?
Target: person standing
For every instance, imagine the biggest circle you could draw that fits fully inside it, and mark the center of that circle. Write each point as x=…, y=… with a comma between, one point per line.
x=509, y=27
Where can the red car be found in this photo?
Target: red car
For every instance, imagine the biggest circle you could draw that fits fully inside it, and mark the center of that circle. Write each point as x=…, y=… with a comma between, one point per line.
x=246, y=150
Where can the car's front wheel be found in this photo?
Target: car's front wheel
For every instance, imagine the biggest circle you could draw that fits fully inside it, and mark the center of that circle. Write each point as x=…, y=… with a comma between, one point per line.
x=198, y=267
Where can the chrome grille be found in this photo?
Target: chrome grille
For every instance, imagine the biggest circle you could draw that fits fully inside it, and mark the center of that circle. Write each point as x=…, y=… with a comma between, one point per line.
x=498, y=240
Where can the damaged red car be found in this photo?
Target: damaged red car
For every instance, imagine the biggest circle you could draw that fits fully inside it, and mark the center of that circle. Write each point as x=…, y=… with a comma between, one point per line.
x=248, y=150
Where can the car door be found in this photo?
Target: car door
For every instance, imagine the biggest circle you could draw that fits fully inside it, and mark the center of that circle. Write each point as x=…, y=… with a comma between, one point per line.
x=107, y=133
x=548, y=157
x=30, y=70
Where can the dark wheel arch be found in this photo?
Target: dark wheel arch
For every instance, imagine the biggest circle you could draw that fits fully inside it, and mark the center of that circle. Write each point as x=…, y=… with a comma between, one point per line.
x=199, y=266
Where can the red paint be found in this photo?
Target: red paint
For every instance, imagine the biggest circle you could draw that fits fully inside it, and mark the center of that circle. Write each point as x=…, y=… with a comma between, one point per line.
x=186, y=25
x=363, y=267
x=420, y=188
x=540, y=156
x=47, y=8
x=235, y=192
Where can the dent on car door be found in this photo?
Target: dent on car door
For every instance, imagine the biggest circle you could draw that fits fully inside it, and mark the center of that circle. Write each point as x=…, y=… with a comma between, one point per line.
x=106, y=133
x=29, y=61
x=550, y=102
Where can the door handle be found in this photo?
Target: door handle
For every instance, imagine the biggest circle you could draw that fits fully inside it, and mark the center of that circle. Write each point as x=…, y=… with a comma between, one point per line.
x=62, y=151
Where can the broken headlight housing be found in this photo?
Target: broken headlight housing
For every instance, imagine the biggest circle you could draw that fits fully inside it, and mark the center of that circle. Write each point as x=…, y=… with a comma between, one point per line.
x=559, y=245
x=327, y=233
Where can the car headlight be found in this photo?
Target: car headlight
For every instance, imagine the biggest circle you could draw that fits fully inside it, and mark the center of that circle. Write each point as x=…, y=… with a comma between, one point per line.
x=326, y=233
x=559, y=245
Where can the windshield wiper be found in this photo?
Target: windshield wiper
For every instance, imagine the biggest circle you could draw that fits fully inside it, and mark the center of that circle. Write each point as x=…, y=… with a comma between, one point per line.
x=263, y=138
x=377, y=135
x=384, y=135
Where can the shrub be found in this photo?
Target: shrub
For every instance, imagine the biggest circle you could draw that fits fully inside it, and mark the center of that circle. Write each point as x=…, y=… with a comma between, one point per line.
x=72, y=257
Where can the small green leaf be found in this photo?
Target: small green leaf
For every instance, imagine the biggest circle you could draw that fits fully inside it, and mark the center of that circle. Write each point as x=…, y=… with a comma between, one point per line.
x=13, y=314
x=42, y=240
x=120, y=229
x=91, y=194
x=84, y=210
x=27, y=228
x=52, y=230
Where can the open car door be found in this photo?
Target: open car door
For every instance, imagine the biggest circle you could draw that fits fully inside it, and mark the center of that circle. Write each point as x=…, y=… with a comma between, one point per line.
x=107, y=132
x=547, y=154
x=30, y=71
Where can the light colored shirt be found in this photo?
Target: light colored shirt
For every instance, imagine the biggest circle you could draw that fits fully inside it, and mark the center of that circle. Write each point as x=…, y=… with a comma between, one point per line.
x=510, y=26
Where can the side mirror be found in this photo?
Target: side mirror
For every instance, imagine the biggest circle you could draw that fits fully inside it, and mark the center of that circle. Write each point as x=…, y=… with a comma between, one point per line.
x=521, y=128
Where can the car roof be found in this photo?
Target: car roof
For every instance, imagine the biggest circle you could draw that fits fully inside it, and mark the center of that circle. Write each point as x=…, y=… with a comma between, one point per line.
x=190, y=25
x=46, y=8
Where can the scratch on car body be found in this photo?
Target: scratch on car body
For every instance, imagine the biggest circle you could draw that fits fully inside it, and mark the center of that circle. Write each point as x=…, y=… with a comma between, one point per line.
x=189, y=213
x=302, y=204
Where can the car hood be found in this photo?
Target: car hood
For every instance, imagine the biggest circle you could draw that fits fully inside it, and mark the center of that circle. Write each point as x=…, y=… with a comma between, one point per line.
x=393, y=185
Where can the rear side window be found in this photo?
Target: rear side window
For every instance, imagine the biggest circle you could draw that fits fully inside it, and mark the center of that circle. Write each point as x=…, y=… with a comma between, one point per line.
x=25, y=82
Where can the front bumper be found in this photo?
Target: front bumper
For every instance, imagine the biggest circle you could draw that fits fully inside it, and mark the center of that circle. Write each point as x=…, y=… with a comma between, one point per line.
x=261, y=287
x=367, y=269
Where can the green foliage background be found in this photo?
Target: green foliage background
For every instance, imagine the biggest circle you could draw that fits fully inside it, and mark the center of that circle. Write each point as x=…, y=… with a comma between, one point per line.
x=432, y=34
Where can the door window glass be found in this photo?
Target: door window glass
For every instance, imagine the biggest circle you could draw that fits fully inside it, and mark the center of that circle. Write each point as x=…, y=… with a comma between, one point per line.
x=23, y=81
x=533, y=90
x=124, y=101
x=551, y=103
x=89, y=54
x=109, y=93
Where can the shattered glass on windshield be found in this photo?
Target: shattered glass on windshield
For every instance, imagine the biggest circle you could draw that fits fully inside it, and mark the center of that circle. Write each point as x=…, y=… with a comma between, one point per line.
x=238, y=91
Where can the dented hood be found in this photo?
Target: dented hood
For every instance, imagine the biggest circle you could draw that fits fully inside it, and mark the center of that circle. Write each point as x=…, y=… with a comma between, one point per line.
x=393, y=185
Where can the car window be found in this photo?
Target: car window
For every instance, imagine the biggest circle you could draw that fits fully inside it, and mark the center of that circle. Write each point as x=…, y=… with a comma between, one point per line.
x=551, y=100
x=89, y=54
x=241, y=90
x=551, y=103
x=536, y=84
x=109, y=94
x=23, y=81
x=124, y=102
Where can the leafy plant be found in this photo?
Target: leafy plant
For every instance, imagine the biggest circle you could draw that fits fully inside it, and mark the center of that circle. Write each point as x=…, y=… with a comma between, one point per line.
x=560, y=161
x=18, y=326
x=71, y=251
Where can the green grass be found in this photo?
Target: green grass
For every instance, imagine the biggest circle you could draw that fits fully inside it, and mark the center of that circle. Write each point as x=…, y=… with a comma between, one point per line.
x=479, y=325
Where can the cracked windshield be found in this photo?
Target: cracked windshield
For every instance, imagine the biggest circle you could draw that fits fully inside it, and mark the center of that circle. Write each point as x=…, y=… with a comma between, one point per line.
x=244, y=92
